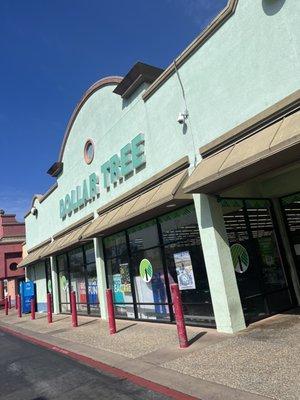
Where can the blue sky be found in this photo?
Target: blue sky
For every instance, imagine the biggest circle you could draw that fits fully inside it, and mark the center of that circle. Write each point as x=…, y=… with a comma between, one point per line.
x=53, y=50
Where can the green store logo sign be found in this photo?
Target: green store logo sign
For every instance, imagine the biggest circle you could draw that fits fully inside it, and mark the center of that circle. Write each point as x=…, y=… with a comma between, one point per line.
x=113, y=171
x=146, y=270
x=240, y=258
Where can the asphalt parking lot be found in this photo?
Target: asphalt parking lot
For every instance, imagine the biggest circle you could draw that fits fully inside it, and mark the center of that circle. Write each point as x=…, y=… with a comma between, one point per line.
x=29, y=372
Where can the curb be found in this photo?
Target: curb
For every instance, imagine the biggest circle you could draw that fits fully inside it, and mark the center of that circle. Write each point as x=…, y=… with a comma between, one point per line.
x=155, y=387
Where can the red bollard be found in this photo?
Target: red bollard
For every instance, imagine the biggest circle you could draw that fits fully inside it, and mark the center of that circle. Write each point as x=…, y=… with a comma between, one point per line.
x=74, y=310
x=9, y=301
x=49, y=308
x=19, y=306
x=176, y=297
x=32, y=308
x=111, y=312
x=6, y=305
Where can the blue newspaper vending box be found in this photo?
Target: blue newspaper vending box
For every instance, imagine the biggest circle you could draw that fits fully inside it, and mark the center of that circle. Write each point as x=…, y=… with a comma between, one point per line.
x=27, y=291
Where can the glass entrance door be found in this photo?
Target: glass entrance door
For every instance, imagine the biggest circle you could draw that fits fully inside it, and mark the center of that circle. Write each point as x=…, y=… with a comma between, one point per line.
x=77, y=272
x=256, y=257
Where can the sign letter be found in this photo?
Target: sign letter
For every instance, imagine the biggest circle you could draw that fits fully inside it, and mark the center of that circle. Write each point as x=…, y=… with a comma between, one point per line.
x=138, y=151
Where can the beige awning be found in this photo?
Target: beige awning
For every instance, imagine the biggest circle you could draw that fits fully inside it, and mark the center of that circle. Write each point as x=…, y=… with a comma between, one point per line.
x=61, y=241
x=141, y=206
x=273, y=147
x=66, y=240
x=35, y=255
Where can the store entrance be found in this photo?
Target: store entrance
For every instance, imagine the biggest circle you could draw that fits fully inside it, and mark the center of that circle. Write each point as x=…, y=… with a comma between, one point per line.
x=291, y=212
x=77, y=272
x=257, y=257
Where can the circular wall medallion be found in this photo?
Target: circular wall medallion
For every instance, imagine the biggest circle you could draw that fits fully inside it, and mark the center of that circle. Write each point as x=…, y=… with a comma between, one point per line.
x=240, y=258
x=89, y=151
x=13, y=266
x=146, y=270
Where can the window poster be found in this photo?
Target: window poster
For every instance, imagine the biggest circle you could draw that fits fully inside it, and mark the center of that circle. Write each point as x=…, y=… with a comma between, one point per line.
x=184, y=270
x=117, y=289
x=125, y=278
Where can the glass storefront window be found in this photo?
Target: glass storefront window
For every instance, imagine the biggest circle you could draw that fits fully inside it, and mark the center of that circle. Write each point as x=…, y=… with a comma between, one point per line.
x=63, y=277
x=291, y=211
x=92, y=288
x=180, y=225
x=48, y=276
x=185, y=263
x=75, y=258
x=89, y=253
x=187, y=268
x=77, y=279
x=151, y=294
x=119, y=280
x=160, y=252
x=143, y=236
x=115, y=245
x=256, y=256
x=249, y=279
x=77, y=269
x=92, y=283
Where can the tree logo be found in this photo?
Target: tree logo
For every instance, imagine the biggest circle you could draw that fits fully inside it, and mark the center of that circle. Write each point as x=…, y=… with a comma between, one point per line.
x=146, y=270
x=240, y=258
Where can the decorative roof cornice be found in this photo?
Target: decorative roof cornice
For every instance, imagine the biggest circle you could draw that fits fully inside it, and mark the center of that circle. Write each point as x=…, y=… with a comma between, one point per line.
x=12, y=239
x=110, y=80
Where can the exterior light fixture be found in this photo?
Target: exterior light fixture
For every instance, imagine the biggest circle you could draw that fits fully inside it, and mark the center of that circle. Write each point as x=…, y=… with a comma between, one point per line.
x=171, y=205
x=34, y=211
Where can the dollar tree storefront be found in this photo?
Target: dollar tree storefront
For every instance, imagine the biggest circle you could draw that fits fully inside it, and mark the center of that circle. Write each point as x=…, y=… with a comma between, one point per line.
x=144, y=197
x=142, y=261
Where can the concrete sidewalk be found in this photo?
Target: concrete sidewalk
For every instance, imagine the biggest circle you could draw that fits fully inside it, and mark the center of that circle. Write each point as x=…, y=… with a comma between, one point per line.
x=258, y=363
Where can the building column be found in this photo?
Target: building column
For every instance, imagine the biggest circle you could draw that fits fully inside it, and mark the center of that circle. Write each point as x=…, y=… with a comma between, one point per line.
x=55, y=288
x=287, y=247
x=224, y=292
x=101, y=276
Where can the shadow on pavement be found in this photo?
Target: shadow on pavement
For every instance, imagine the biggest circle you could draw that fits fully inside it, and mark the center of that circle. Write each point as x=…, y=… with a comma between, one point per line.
x=196, y=337
x=60, y=319
x=125, y=327
x=89, y=322
x=40, y=398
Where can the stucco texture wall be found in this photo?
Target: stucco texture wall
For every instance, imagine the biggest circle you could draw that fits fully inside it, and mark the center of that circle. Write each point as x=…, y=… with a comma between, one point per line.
x=250, y=63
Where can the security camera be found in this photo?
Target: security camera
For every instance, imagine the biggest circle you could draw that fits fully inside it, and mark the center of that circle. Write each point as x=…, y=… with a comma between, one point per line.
x=182, y=117
x=33, y=211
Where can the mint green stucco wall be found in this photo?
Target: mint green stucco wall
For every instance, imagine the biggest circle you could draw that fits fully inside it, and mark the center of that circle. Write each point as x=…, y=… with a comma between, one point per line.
x=250, y=63
x=37, y=274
